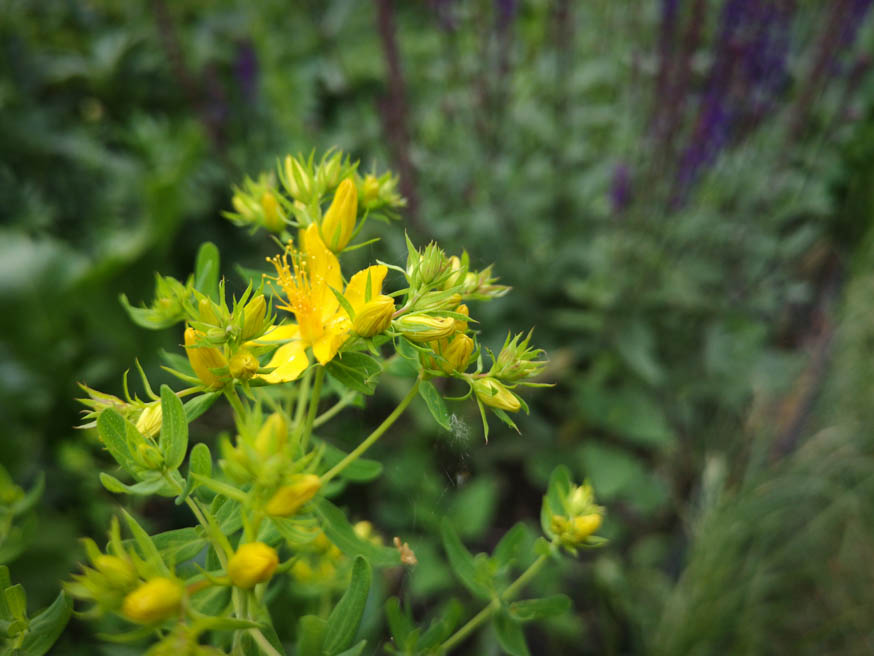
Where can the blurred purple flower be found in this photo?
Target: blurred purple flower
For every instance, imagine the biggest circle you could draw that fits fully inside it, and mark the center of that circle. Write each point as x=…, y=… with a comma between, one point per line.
x=246, y=70
x=620, y=188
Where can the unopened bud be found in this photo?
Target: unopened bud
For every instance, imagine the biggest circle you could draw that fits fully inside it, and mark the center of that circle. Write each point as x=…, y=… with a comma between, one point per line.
x=297, y=180
x=339, y=221
x=582, y=527
x=243, y=365
x=289, y=498
x=455, y=278
x=274, y=220
x=206, y=313
x=149, y=456
x=272, y=436
x=119, y=573
x=375, y=317
x=149, y=421
x=425, y=328
x=253, y=563
x=204, y=360
x=370, y=189
x=153, y=601
x=432, y=263
x=457, y=354
x=254, y=313
x=494, y=394
x=461, y=326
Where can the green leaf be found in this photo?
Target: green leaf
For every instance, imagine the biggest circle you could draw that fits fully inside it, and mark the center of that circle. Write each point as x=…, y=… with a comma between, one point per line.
x=399, y=623
x=346, y=617
x=356, y=371
x=29, y=500
x=435, y=403
x=206, y=270
x=537, y=609
x=354, y=651
x=153, y=485
x=442, y=627
x=147, y=318
x=472, y=507
x=461, y=560
x=311, y=635
x=16, y=601
x=360, y=470
x=507, y=549
x=340, y=532
x=173, y=440
x=510, y=635
x=200, y=460
x=47, y=626
x=113, y=430
x=199, y=404
x=147, y=547
x=181, y=544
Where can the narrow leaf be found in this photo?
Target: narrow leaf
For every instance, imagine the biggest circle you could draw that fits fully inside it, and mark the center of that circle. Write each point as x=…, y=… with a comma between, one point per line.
x=206, y=270
x=345, y=618
x=173, y=440
x=460, y=559
x=435, y=403
x=340, y=532
x=537, y=609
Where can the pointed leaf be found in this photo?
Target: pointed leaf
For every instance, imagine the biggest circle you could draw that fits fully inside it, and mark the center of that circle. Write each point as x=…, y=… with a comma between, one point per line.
x=206, y=270
x=173, y=440
x=340, y=532
x=435, y=403
x=346, y=617
x=510, y=636
x=526, y=610
x=47, y=626
x=461, y=560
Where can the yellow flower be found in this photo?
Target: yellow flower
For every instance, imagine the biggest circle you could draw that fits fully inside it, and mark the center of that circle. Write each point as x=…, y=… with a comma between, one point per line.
x=494, y=394
x=254, y=563
x=307, y=278
x=204, y=359
x=289, y=498
x=153, y=601
x=339, y=221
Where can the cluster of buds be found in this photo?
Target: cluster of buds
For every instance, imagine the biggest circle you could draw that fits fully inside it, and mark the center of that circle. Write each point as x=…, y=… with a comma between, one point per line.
x=380, y=193
x=120, y=581
x=517, y=361
x=146, y=416
x=454, y=351
x=258, y=203
x=306, y=182
x=320, y=562
x=581, y=517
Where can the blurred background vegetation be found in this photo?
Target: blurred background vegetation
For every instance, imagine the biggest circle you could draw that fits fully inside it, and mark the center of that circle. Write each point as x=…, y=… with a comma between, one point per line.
x=680, y=192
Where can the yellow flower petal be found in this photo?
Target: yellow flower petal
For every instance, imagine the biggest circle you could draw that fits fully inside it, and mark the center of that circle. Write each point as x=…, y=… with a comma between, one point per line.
x=290, y=361
x=357, y=286
x=278, y=334
x=323, y=270
x=326, y=347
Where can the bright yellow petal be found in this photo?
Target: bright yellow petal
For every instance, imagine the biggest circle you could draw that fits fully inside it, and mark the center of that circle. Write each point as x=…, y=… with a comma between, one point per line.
x=323, y=270
x=336, y=333
x=278, y=334
x=290, y=361
x=358, y=285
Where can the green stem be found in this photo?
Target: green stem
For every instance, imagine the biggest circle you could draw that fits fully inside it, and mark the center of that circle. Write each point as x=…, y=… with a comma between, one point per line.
x=263, y=643
x=331, y=412
x=495, y=604
x=314, y=407
x=375, y=435
x=303, y=395
x=236, y=403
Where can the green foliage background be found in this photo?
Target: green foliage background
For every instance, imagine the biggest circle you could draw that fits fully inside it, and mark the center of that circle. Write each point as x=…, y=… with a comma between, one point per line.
x=711, y=354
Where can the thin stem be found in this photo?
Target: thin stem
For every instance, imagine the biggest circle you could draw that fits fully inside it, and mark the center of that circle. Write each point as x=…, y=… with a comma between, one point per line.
x=263, y=643
x=314, y=407
x=236, y=403
x=375, y=435
x=302, y=398
x=495, y=604
x=332, y=412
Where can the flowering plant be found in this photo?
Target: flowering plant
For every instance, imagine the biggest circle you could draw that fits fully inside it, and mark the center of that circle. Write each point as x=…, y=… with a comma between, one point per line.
x=299, y=345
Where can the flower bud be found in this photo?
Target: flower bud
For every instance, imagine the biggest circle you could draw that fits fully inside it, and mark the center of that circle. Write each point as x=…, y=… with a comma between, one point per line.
x=272, y=436
x=461, y=326
x=243, y=206
x=582, y=527
x=494, y=394
x=432, y=263
x=253, y=317
x=243, y=365
x=424, y=328
x=153, y=601
x=457, y=354
x=302, y=571
x=204, y=360
x=149, y=421
x=329, y=171
x=457, y=275
x=289, y=498
x=370, y=189
x=253, y=563
x=297, y=180
x=374, y=317
x=274, y=220
x=120, y=573
x=149, y=456
x=206, y=313
x=339, y=221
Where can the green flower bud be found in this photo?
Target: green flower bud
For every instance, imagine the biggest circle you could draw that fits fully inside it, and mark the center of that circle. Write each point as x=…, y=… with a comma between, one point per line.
x=494, y=394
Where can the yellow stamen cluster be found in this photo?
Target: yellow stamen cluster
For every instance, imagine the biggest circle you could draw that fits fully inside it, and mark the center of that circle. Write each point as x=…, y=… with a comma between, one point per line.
x=303, y=289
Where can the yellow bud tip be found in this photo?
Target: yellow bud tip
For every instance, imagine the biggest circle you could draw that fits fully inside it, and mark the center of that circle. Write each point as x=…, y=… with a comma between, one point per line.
x=370, y=189
x=119, y=573
x=375, y=317
x=289, y=498
x=494, y=394
x=153, y=601
x=273, y=219
x=149, y=421
x=204, y=359
x=424, y=328
x=243, y=365
x=253, y=563
x=272, y=436
x=583, y=526
x=338, y=223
